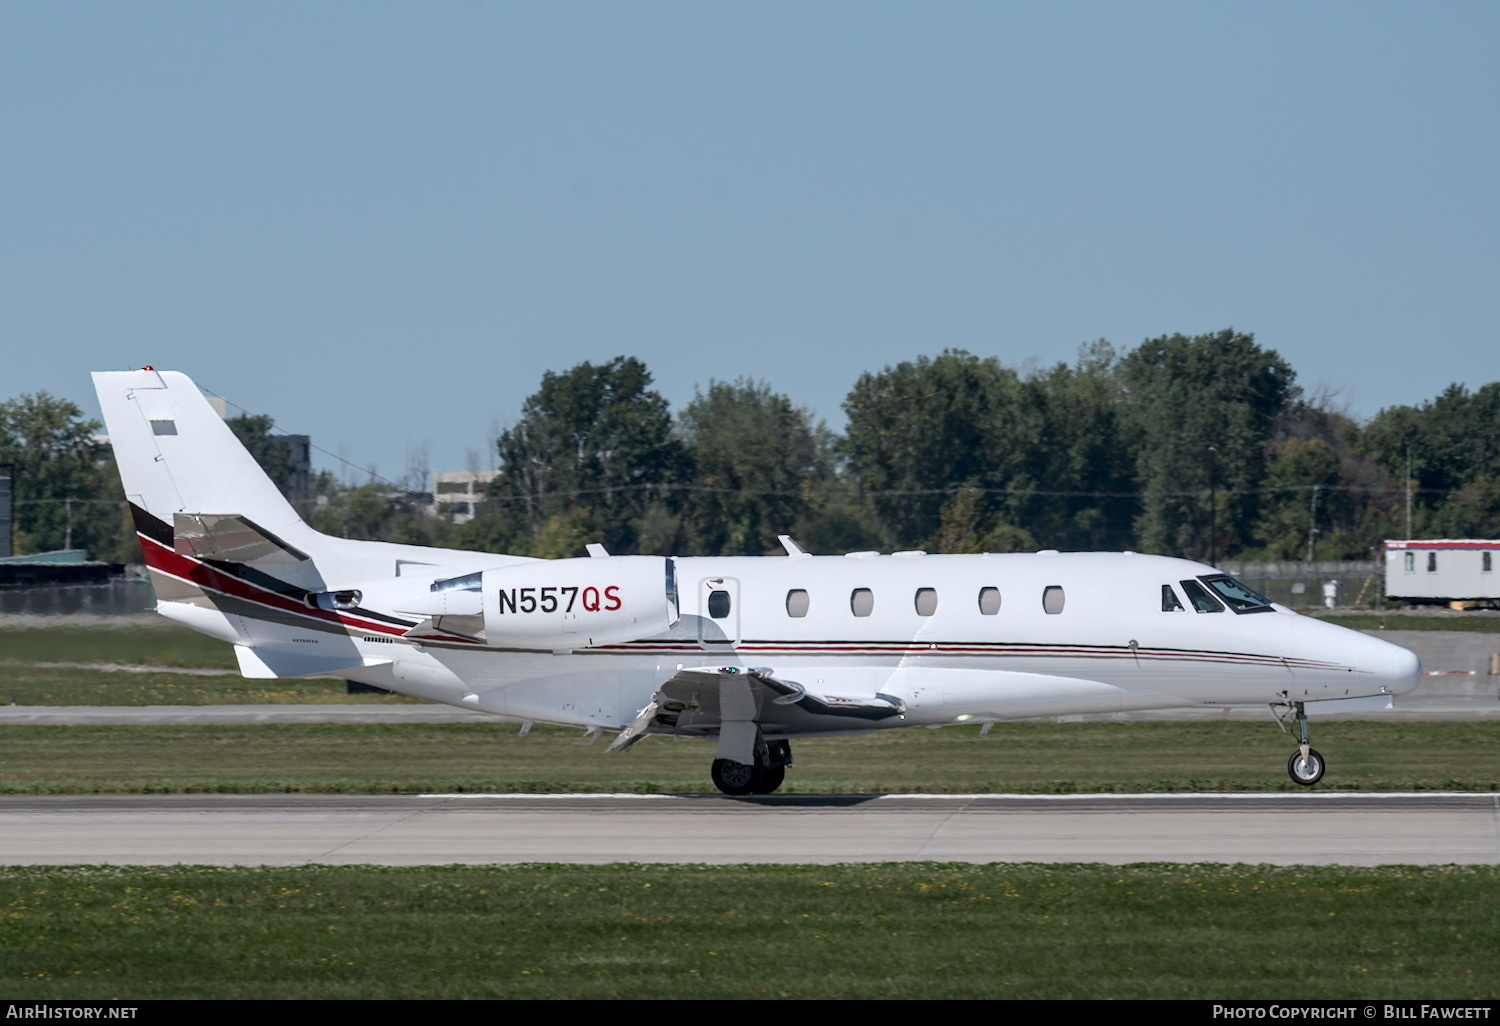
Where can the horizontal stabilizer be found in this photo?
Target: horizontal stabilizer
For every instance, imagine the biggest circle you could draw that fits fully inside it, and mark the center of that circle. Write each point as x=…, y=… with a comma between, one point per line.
x=231, y=538
x=274, y=664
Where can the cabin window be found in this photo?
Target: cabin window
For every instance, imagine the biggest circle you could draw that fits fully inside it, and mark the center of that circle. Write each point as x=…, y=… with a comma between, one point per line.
x=1484, y=562
x=1411, y=562
x=796, y=602
x=1240, y=598
x=1432, y=562
x=718, y=604
x=989, y=601
x=926, y=601
x=862, y=601
x=1053, y=599
x=1202, y=601
x=1169, y=601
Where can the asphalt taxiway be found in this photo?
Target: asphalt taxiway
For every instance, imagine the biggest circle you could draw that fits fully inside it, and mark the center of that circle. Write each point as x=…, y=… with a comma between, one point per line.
x=1320, y=828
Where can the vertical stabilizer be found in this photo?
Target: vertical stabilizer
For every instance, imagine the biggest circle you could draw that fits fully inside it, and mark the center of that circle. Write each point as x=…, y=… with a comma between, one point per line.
x=176, y=455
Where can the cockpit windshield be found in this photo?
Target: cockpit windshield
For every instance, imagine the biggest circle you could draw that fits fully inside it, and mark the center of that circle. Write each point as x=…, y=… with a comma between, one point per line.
x=1240, y=598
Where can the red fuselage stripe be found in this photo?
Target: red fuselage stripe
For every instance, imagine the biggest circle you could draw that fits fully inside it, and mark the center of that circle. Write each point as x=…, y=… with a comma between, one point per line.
x=186, y=568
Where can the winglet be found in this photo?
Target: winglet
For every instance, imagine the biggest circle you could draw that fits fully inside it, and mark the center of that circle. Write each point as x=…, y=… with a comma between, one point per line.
x=595, y=550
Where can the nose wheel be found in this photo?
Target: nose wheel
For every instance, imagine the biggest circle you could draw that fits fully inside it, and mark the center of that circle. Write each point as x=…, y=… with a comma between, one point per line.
x=1306, y=765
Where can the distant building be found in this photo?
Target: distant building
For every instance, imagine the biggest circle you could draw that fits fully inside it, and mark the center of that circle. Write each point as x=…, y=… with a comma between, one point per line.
x=458, y=495
x=299, y=464
x=1443, y=570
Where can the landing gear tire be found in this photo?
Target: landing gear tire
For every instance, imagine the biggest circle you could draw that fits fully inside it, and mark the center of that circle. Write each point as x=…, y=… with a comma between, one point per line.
x=768, y=779
x=734, y=777
x=1305, y=771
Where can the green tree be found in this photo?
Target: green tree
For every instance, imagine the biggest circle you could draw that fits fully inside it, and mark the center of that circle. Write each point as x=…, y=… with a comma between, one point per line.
x=368, y=512
x=1201, y=410
x=1082, y=465
x=1454, y=444
x=61, y=492
x=756, y=459
x=593, y=457
x=254, y=432
x=925, y=430
x=1318, y=487
x=1301, y=487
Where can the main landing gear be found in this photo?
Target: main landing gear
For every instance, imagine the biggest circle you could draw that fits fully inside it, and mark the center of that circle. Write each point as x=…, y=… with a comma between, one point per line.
x=771, y=760
x=1306, y=766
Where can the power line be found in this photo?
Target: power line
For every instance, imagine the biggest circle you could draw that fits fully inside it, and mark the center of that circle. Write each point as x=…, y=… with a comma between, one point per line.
x=271, y=422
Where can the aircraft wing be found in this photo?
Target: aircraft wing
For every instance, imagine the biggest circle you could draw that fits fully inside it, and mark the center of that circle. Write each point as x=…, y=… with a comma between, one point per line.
x=706, y=700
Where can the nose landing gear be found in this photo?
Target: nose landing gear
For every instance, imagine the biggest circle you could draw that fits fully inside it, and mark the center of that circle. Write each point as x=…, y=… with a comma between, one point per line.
x=1306, y=765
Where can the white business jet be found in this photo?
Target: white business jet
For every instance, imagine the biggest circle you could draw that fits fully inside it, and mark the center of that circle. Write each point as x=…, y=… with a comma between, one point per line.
x=748, y=652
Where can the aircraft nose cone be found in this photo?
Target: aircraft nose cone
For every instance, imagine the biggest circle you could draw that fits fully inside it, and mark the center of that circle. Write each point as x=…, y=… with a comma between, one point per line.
x=1381, y=667
x=1405, y=670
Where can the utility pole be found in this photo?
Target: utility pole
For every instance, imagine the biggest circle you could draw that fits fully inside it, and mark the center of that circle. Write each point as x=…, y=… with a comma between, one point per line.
x=1312, y=523
x=1213, y=500
x=7, y=511
x=8, y=504
x=1408, y=491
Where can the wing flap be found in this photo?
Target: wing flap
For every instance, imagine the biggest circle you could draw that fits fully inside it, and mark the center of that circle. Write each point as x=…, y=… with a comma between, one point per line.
x=703, y=700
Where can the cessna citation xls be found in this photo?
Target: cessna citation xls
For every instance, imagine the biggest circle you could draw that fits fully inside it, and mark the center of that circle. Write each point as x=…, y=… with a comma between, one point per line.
x=749, y=652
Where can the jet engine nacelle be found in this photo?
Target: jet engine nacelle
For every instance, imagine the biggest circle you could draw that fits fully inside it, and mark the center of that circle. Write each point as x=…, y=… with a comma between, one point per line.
x=574, y=603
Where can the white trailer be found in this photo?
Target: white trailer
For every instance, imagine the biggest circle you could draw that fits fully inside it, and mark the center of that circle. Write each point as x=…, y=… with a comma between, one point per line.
x=1443, y=570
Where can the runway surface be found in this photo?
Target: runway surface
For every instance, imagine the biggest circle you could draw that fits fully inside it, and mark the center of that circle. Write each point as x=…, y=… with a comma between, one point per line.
x=1310, y=829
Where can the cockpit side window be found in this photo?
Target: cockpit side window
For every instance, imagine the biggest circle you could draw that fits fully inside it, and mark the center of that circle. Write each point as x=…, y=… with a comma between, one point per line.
x=1240, y=598
x=1202, y=601
x=1170, y=603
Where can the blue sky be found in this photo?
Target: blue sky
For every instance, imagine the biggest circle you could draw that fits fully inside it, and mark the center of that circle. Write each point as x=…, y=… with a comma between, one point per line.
x=382, y=222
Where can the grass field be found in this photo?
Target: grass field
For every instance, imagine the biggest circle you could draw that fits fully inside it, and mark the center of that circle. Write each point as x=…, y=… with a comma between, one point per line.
x=1468, y=624
x=876, y=931
x=170, y=665
x=867, y=931
x=484, y=756
x=153, y=641
x=22, y=684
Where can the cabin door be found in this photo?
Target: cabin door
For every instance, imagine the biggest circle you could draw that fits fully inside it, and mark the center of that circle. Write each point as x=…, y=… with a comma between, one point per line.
x=719, y=610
